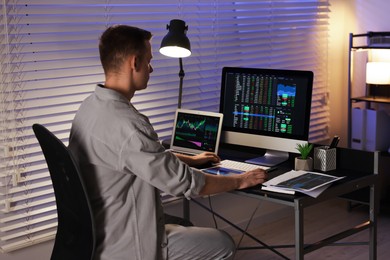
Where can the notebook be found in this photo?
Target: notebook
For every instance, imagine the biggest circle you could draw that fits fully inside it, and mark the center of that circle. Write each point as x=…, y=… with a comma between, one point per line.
x=196, y=131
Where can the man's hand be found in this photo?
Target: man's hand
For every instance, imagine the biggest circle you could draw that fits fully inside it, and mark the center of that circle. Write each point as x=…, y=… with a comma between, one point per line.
x=219, y=183
x=199, y=159
x=204, y=158
x=252, y=178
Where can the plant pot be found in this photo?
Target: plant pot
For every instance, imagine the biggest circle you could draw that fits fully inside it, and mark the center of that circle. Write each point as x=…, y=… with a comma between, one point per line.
x=303, y=164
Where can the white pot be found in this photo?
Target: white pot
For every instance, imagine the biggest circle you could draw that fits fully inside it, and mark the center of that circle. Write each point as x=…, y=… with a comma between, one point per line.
x=303, y=164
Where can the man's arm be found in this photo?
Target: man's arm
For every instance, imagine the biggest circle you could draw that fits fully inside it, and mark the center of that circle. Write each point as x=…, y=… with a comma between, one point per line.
x=217, y=183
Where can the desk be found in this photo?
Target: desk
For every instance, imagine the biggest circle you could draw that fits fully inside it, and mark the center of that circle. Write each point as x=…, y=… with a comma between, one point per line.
x=360, y=169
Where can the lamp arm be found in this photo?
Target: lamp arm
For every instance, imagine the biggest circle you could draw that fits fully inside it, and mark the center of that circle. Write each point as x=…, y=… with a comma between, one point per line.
x=181, y=76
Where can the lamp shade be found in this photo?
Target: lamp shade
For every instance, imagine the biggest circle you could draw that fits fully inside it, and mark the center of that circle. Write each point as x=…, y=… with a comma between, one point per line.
x=176, y=43
x=378, y=73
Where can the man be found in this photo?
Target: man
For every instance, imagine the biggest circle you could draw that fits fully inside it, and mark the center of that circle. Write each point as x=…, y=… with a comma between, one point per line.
x=124, y=165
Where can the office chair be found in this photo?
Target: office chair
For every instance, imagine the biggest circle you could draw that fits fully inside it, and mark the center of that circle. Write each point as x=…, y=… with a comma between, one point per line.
x=75, y=238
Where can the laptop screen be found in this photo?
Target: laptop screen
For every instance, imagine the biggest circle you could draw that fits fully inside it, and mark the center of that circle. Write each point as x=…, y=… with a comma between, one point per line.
x=196, y=131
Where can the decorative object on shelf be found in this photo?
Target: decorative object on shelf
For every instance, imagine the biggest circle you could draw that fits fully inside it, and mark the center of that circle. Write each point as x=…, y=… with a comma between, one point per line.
x=177, y=45
x=304, y=161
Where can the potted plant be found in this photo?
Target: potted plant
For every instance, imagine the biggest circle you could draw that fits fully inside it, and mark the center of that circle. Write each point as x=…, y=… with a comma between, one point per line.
x=304, y=161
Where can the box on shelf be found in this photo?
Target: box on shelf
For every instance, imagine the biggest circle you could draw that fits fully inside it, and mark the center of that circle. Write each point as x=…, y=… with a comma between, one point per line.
x=370, y=130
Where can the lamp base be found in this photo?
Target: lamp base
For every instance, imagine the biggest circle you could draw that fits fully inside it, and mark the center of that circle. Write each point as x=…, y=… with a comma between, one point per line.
x=379, y=91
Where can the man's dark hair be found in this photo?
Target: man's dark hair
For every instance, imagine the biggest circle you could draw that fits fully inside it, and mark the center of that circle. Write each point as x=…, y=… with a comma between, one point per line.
x=120, y=41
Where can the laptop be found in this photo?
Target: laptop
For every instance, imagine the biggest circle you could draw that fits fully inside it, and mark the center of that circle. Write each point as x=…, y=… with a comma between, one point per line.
x=196, y=131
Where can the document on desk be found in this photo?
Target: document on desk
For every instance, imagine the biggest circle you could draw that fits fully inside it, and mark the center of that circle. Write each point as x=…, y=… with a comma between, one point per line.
x=309, y=183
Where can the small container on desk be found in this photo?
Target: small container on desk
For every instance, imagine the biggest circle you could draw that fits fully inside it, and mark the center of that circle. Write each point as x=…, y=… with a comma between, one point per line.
x=324, y=158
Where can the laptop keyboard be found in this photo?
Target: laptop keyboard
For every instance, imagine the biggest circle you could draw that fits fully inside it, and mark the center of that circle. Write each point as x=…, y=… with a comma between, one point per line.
x=242, y=166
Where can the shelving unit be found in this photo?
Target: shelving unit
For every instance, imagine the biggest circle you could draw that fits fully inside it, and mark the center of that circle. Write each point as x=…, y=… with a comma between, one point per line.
x=380, y=95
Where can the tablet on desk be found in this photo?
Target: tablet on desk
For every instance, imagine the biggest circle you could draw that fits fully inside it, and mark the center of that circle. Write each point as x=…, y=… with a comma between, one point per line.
x=229, y=167
x=218, y=170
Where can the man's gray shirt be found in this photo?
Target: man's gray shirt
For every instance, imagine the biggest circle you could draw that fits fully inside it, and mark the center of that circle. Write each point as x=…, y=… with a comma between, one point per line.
x=125, y=167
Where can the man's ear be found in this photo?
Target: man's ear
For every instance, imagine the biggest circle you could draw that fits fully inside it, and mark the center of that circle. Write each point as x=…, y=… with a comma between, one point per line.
x=134, y=62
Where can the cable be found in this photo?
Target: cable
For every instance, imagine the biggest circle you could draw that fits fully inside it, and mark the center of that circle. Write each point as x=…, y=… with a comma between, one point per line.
x=241, y=230
x=212, y=212
x=247, y=225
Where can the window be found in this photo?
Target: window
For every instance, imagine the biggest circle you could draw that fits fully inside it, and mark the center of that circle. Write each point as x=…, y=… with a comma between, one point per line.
x=50, y=63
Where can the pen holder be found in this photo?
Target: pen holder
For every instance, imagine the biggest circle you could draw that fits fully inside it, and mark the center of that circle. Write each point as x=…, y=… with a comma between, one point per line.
x=324, y=158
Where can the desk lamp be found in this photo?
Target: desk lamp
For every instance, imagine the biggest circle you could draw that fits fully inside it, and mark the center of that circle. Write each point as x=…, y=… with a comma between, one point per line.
x=177, y=45
x=378, y=73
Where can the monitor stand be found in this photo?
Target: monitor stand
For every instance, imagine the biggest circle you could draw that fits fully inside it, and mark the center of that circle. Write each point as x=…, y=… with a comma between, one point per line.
x=270, y=158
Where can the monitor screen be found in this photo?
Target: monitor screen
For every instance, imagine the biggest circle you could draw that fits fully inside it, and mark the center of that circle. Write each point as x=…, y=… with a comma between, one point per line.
x=266, y=108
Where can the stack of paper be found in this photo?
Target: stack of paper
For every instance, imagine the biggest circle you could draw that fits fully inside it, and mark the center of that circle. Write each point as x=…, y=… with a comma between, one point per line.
x=309, y=183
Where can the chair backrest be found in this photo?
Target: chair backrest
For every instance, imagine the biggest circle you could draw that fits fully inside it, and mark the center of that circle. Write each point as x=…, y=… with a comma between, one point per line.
x=75, y=238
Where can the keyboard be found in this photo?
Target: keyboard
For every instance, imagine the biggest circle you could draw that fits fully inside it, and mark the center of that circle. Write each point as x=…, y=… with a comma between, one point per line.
x=242, y=166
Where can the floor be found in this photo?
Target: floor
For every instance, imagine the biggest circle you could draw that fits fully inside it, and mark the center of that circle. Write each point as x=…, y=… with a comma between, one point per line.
x=338, y=217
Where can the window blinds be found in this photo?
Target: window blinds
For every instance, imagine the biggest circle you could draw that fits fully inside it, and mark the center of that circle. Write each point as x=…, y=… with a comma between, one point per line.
x=50, y=63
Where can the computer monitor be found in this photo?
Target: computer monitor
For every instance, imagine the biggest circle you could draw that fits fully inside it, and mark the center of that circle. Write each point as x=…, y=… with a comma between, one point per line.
x=266, y=108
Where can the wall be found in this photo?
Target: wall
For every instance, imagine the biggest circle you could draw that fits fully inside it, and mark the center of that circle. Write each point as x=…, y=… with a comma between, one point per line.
x=40, y=251
x=348, y=16
x=357, y=16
